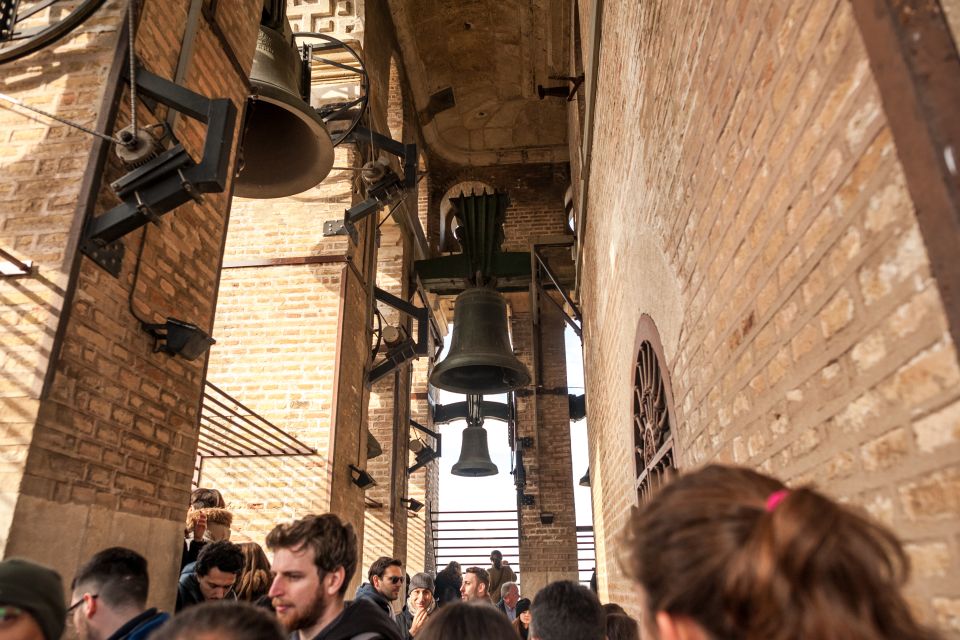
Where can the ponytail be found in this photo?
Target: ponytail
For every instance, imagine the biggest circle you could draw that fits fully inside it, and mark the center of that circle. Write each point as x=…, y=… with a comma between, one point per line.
x=746, y=559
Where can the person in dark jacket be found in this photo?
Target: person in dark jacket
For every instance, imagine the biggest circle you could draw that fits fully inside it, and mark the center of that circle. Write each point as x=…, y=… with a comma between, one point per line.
x=110, y=596
x=448, y=584
x=313, y=561
x=385, y=582
x=212, y=576
x=420, y=605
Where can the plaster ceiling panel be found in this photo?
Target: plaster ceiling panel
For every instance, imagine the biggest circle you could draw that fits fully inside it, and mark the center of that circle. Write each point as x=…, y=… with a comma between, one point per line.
x=492, y=55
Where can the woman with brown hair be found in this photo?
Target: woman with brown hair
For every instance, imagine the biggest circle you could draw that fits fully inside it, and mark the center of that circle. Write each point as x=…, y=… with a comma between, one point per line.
x=521, y=623
x=254, y=581
x=729, y=553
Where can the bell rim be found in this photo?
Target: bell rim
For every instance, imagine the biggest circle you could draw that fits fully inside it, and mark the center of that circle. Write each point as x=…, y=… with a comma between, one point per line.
x=272, y=94
x=492, y=472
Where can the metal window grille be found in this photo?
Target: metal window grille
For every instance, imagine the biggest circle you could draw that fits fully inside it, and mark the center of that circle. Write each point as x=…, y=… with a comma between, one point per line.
x=653, y=435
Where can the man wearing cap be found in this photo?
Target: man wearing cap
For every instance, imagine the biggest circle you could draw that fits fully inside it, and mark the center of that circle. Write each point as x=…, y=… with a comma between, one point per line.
x=31, y=601
x=420, y=605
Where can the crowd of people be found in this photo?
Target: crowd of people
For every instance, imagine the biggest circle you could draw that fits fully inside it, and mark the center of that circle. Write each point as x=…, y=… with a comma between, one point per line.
x=720, y=553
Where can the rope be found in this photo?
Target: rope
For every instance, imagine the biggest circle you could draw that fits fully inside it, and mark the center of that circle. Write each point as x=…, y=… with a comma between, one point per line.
x=133, y=68
x=69, y=123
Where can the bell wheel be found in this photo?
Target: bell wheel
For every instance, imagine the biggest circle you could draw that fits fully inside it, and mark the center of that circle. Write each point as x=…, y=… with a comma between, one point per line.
x=339, y=82
x=29, y=25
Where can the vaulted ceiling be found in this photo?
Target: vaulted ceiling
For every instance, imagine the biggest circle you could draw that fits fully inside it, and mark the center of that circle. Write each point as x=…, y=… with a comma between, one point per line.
x=474, y=67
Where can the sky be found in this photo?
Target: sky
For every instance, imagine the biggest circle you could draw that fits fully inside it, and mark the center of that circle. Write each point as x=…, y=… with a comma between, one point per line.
x=497, y=492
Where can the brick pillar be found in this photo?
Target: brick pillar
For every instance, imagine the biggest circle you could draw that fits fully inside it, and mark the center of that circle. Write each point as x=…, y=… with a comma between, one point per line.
x=548, y=551
x=387, y=415
x=100, y=431
x=423, y=484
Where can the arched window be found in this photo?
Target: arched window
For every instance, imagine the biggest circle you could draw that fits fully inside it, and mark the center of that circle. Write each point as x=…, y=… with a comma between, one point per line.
x=652, y=412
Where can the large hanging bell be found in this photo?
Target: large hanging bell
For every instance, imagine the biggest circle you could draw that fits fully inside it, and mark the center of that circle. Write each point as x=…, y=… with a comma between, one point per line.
x=286, y=147
x=480, y=360
x=474, y=454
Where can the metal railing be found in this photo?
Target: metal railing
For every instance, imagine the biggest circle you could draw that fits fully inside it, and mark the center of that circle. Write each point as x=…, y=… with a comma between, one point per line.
x=586, y=554
x=468, y=537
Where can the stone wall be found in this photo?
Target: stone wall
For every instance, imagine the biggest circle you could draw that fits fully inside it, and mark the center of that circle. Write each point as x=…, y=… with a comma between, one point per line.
x=104, y=428
x=746, y=193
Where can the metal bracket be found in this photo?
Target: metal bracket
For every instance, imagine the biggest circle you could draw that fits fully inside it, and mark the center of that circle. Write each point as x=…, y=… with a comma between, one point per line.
x=444, y=413
x=381, y=193
x=172, y=178
x=527, y=500
x=335, y=228
x=408, y=349
x=427, y=455
x=524, y=442
x=108, y=257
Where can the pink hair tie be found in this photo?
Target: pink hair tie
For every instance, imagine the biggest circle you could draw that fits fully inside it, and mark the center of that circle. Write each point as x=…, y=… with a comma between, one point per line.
x=776, y=498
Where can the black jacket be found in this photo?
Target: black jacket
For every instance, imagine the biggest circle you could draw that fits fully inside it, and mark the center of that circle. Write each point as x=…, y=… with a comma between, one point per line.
x=404, y=619
x=188, y=591
x=142, y=626
x=359, y=618
x=367, y=592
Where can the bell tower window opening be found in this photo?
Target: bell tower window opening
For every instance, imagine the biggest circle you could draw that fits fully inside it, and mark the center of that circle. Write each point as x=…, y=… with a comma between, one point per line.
x=652, y=402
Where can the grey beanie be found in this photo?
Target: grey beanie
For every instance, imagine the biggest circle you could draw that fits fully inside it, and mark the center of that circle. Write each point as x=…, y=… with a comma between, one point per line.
x=36, y=589
x=422, y=581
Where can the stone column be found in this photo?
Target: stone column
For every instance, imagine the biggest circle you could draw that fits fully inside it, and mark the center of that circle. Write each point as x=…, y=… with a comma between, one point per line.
x=548, y=535
x=99, y=430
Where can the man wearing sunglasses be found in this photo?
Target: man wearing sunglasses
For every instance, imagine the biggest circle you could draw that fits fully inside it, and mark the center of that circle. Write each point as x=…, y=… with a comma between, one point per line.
x=386, y=582
x=31, y=601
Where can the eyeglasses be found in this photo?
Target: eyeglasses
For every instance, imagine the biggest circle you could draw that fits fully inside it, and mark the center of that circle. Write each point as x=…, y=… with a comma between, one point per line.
x=10, y=613
x=80, y=602
x=394, y=579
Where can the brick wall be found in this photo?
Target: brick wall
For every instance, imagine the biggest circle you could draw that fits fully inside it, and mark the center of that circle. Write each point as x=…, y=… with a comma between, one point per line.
x=276, y=330
x=765, y=226
x=111, y=453
x=39, y=218
x=387, y=415
x=423, y=484
x=548, y=550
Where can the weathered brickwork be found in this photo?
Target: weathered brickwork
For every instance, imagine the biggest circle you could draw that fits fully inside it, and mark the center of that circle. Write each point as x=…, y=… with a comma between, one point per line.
x=423, y=484
x=38, y=216
x=548, y=550
x=387, y=416
x=112, y=447
x=764, y=224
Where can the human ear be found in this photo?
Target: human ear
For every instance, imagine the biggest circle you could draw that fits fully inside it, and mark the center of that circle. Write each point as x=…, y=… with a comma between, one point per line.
x=333, y=580
x=670, y=627
x=89, y=605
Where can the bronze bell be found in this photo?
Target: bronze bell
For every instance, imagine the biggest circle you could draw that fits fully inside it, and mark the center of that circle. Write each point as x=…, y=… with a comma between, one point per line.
x=480, y=360
x=474, y=459
x=285, y=148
